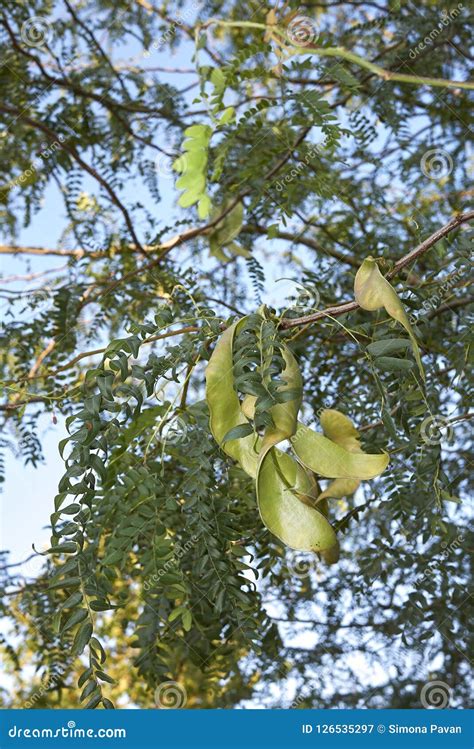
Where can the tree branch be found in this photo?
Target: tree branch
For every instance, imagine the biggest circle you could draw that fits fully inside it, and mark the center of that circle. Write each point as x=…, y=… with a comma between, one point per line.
x=341, y=309
x=85, y=354
x=86, y=167
x=342, y=53
x=332, y=252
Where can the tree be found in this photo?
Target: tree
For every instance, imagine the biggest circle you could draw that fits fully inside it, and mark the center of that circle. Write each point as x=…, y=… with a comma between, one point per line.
x=302, y=142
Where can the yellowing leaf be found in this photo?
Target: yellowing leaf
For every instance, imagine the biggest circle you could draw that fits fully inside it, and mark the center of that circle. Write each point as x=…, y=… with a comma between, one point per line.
x=280, y=479
x=223, y=234
x=373, y=291
x=285, y=415
x=340, y=488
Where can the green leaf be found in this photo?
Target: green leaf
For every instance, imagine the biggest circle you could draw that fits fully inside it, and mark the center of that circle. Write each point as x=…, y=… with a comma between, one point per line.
x=198, y=132
x=242, y=430
x=83, y=635
x=68, y=547
x=392, y=364
x=84, y=677
x=93, y=702
x=387, y=346
x=187, y=620
x=192, y=166
x=112, y=558
x=223, y=234
x=96, y=645
x=67, y=582
x=192, y=182
x=388, y=422
x=56, y=623
x=92, y=686
x=72, y=509
x=78, y=616
x=204, y=207
x=73, y=600
x=100, y=605
x=105, y=677
x=176, y=613
x=227, y=117
x=189, y=198
x=218, y=80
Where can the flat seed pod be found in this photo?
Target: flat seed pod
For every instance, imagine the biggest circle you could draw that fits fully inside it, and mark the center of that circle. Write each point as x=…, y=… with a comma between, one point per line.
x=340, y=429
x=286, y=490
x=296, y=524
x=224, y=405
x=373, y=291
x=328, y=459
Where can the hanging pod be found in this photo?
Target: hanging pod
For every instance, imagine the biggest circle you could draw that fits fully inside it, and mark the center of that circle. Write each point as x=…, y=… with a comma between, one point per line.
x=278, y=476
x=287, y=493
x=373, y=291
